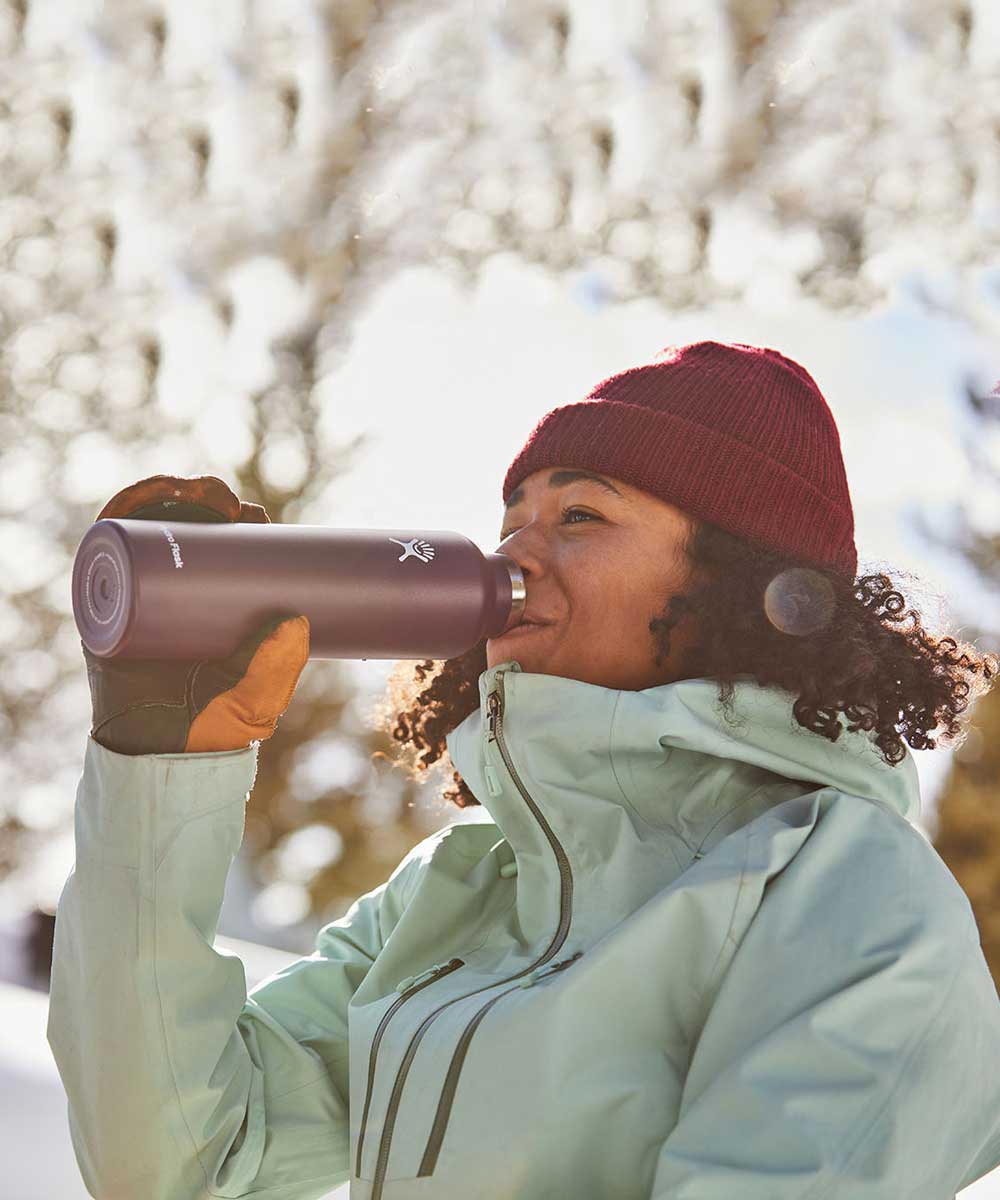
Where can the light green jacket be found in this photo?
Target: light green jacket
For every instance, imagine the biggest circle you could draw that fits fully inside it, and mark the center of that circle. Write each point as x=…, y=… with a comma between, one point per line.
x=683, y=960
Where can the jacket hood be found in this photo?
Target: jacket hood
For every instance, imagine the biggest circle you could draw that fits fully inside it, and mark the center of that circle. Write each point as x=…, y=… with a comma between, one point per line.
x=660, y=772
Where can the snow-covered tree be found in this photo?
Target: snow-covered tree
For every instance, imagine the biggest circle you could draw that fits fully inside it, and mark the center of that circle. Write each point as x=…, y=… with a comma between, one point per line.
x=200, y=201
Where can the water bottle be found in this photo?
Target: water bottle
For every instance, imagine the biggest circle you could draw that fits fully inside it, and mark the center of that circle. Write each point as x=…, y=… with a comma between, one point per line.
x=192, y=590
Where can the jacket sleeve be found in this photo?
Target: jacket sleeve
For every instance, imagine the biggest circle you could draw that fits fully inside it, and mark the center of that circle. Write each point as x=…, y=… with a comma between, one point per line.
x=180, y=1085
x=852, y=1050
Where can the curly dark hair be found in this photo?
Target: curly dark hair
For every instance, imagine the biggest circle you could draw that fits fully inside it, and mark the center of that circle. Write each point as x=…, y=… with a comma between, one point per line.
x=838, y=644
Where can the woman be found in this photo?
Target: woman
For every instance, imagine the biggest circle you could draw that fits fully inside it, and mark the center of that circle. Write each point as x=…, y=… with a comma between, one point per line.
x=697, y=952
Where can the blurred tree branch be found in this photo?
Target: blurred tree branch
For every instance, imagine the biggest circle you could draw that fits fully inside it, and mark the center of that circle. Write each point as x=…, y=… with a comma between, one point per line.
x=684, y=151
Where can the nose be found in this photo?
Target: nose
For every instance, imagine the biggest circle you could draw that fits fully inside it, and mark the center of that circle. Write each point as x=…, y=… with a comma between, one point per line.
x=526, y=548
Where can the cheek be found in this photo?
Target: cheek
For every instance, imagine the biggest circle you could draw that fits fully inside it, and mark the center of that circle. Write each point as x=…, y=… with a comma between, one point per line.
x=618, y=594
x=602, y=586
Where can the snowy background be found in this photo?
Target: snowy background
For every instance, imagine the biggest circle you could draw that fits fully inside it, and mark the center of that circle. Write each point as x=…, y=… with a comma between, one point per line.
x=447, y=381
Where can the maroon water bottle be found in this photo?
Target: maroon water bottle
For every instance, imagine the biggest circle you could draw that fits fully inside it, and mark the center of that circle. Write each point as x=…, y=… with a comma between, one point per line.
x=192, y=590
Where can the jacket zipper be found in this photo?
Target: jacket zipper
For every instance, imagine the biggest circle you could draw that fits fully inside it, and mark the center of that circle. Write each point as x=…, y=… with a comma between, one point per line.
x=495, y=702
x=408, y=988
x=429, y=1160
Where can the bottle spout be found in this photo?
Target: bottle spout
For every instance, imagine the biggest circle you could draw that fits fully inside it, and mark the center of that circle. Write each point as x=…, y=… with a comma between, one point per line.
x=511, y=594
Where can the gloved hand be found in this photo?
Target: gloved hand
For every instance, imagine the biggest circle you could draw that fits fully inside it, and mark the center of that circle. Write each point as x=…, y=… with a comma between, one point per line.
x=165, y=706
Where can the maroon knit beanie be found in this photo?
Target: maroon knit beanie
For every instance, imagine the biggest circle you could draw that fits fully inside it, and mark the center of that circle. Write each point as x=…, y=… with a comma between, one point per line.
x=733, y=434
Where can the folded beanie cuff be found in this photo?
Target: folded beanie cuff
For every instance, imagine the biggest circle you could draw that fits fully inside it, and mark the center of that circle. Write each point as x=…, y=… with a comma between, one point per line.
x=705, y=471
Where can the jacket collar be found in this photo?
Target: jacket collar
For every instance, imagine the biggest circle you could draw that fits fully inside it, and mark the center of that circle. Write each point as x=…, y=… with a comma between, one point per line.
x=634, y=785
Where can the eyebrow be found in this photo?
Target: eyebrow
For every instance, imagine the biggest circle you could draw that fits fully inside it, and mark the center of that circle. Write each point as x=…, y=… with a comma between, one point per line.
x=561, y=478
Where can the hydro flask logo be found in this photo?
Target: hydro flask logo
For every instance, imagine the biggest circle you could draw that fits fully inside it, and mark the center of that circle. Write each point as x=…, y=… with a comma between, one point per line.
x=415, y=548
x=175, y=550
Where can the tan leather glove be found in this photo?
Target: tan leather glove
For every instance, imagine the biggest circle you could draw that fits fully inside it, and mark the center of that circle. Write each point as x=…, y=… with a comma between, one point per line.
x=164, y=706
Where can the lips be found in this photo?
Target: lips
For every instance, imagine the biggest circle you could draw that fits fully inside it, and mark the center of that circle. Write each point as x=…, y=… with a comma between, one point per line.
x=533, y=620
x=524, y=627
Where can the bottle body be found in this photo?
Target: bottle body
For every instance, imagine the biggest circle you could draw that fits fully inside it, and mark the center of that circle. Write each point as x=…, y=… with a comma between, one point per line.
x=186, y=590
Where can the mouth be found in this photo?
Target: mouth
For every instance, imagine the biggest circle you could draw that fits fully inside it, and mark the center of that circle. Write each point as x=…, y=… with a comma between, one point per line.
x=523, y=628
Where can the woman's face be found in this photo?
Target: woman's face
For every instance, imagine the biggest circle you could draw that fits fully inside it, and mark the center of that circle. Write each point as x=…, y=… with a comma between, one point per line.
x=598, y=566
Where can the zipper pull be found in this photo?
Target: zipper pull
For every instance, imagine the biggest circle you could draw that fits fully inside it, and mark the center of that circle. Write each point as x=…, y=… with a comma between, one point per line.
x=404, y=985
x=492, y=783
x=493, y=705
x=542, y=972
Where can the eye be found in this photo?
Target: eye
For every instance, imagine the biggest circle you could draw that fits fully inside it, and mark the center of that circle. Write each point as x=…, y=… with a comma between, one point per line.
x=566, y=512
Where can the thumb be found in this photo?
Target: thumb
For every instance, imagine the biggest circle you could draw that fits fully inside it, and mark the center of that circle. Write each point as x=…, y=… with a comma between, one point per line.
x=240, y=698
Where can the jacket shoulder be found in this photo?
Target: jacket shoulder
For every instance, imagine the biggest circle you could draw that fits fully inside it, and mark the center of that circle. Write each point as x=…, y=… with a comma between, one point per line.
x=861, y=854
x=883, y=842
x=453, y=848
x=852, y=1033
x=839, y=869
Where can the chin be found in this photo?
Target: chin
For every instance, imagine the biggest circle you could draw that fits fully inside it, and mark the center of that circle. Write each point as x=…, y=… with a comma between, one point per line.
x=525, y=645
x=500, y=654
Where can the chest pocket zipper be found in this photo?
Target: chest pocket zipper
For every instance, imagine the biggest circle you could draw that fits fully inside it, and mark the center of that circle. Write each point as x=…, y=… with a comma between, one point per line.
x=408, y=988
x=433, y=1147
x=541, y=972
